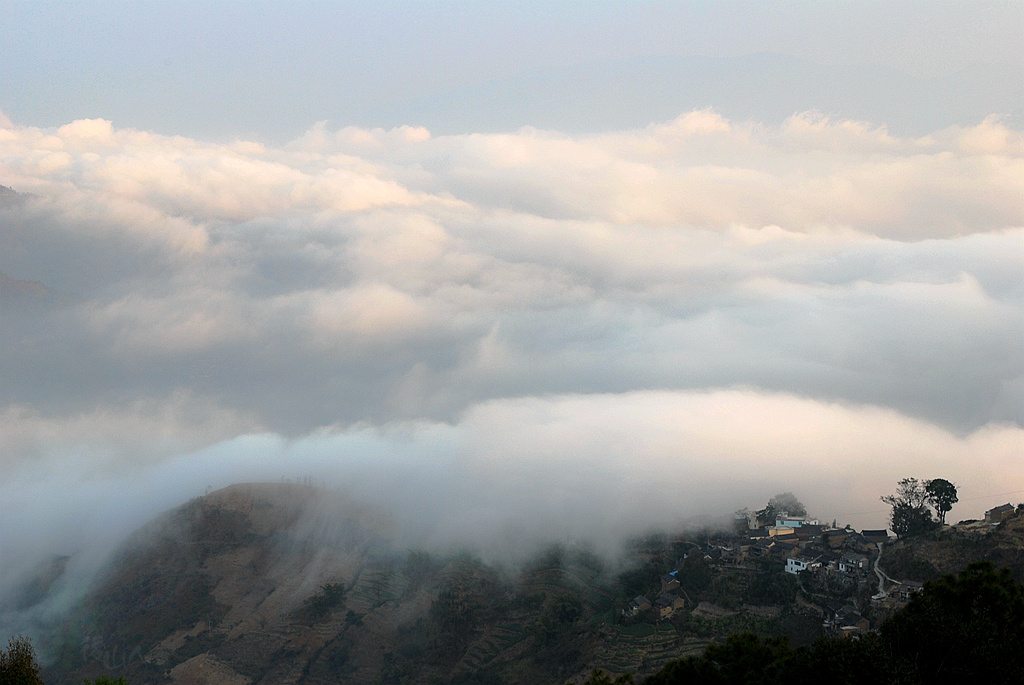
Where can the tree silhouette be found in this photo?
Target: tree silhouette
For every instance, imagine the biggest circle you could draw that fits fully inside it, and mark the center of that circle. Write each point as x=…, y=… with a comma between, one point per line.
x=941, y=495
x=602, y=677
x=788, y=503
x=910, y=514
x=963, y=628
x=784, y=502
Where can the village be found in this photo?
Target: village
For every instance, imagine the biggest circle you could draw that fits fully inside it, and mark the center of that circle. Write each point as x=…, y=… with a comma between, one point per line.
x=835, y=568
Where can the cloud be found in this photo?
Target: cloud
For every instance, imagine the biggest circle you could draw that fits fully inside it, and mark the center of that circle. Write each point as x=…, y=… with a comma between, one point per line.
x=529, y=319
x=371, y=267
x=522, y=472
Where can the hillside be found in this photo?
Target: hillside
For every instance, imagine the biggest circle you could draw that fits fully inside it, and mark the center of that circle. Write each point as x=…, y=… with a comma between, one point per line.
x=951, y=549
x=218, y=590
x=284, y=583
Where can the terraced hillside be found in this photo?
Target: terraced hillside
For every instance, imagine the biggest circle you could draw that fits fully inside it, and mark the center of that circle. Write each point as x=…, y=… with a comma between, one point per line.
x=282, y=583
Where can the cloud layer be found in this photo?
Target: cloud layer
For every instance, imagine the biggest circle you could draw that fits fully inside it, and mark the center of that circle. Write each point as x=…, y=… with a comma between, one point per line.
x=501, y=331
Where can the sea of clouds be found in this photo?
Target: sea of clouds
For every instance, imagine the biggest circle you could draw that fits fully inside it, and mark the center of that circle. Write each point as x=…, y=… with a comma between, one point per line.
x=506, y=338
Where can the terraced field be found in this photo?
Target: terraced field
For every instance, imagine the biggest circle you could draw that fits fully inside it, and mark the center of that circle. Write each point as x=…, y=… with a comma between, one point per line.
x=644, y=648
x=494, y=642
x=374, y=587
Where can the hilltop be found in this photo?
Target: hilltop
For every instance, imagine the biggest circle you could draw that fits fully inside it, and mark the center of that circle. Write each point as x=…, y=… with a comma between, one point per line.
x=952, y=548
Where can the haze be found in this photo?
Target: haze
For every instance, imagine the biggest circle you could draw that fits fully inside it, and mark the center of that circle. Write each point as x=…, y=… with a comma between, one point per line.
x=513, y=274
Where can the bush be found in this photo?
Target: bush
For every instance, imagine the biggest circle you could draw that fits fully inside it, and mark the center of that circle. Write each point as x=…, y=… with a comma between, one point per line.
x=329, y=596
x=18, y=665
x=771, y=585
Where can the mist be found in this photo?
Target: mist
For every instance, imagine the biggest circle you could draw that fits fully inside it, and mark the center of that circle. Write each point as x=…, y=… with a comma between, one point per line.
x=505, y=340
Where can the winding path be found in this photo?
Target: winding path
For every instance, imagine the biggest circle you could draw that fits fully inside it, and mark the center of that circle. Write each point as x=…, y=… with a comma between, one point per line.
x=882, y=578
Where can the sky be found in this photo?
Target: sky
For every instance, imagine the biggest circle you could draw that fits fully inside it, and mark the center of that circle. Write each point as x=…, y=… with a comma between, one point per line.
x=512, y=272
x=270, y=70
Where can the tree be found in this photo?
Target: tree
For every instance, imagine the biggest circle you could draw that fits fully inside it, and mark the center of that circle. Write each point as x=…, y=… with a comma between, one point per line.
x=910, y=514
x=321, y=603
x=782, y=503
x=601, y=677
x=695, y=573
x=771, y=585
x=967, y=627
x=941, y=495
x=788, y=503
x=18, y=665
x=742, y=658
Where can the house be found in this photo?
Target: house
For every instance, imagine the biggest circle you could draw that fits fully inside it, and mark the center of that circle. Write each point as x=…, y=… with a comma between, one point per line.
x=802, y=562
x=829, y=560
x=744, y=518
x=638, y=604
x=730, y=555
x=757, y=533
x=875, y=537
x=999, y=514
x=854, y=621
x=666, y=604
x=901, y=593
x=832, y=608
x=909, y=588
x=859, y=543
x=808, y=531
x=844, y=620
x=854, y=624
x=851, y=562
x=669, y=582
x=784, y=519
x=784, y=549
x=835, y=538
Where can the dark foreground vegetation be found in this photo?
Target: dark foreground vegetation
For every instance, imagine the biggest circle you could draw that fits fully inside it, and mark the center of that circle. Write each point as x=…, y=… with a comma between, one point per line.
x=18, y=666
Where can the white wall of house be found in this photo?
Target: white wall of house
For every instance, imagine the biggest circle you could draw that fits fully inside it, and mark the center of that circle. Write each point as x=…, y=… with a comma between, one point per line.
x=794, y=565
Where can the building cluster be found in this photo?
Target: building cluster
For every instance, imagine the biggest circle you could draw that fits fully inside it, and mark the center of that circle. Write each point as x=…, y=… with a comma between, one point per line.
x=839, y=556
x=805, y=544
x=829, y=557
x=665, y=605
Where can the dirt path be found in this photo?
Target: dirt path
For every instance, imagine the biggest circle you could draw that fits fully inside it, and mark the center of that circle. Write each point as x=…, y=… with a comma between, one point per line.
x=882, y=578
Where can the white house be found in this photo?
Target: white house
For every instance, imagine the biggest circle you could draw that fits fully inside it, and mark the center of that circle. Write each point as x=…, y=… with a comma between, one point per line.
x=794, y=521
x=802, y=562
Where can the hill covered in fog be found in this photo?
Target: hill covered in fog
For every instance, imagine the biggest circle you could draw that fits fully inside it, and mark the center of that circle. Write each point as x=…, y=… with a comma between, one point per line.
x=287, y=583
